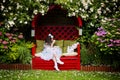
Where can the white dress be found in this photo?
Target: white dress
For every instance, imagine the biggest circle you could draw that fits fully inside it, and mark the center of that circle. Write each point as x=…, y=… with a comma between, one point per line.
x=48, y=52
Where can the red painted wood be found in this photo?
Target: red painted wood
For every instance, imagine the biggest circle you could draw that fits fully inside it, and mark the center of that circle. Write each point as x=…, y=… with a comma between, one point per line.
x=70, y=62
x=59, y=32
x=63, y=32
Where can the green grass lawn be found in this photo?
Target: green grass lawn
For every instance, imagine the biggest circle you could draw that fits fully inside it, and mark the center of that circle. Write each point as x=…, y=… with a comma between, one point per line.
x=54, y=75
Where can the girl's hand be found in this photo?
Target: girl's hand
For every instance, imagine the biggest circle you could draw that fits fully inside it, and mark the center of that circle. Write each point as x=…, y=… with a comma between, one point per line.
x=53, y=41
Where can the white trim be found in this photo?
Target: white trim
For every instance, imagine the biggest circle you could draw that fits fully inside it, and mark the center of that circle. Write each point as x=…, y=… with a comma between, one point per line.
x=32, y=33
x=80, y=31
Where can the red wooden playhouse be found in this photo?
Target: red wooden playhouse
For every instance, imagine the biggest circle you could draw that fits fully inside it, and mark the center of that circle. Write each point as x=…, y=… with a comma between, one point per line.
x=65, y=30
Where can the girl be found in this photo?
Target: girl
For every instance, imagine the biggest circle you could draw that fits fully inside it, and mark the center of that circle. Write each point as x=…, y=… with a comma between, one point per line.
x=51, y=52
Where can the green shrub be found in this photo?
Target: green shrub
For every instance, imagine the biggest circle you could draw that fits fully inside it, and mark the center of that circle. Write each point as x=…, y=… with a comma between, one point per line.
x=13, y=47
x=85, y=59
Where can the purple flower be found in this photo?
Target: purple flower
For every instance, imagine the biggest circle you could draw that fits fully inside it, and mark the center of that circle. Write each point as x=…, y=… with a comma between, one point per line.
x=116, y=41
x=117, y=44
x=100, y=29
x=111, y=40
x=101, y=32
x=110, y=45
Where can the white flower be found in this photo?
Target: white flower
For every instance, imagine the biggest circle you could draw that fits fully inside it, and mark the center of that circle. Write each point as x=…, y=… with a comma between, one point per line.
x=9, y=8
x=83, y=10
x=71, y=1
x=102, y=5
x=42, y=11
x=91, y=24
x=83, y=16
x=19, y=6
x=3, y=1
x=91, y=9
x=96, y=16
x=14, y=18
x=103, y=20
x=76, y=11
x=11, y=13
x=25, y=22
x=7, y=26
x=106, y=18
x=69, y=14
x=27, y=9
x=80, y=9
x=35, y=11
x=104, y=12
x=86, y=6
x=73, y=14
x=21, y=21
x=99, y=11
x=107, y=9
x=2, y=7
x=11, y=23
x=117, y=11
x=107, y=1
x=114, y=3
x=4, y=14
x=71, y=9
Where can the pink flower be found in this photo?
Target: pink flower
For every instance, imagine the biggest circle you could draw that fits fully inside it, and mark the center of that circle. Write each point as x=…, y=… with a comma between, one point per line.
x=5, y=47
x=13, y=41
x=20, y=36
x=4, y=42
x=7, y=34
x=10, y=37
x=0, y=33
x=0, y=40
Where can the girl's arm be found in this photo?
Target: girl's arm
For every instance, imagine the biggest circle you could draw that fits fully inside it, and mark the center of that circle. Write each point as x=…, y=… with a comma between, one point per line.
x=52, y=44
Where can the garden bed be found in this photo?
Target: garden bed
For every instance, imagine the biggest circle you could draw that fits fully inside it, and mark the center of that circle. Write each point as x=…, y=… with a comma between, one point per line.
x=83, y=68
x=15, y=66
x=100, y=68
